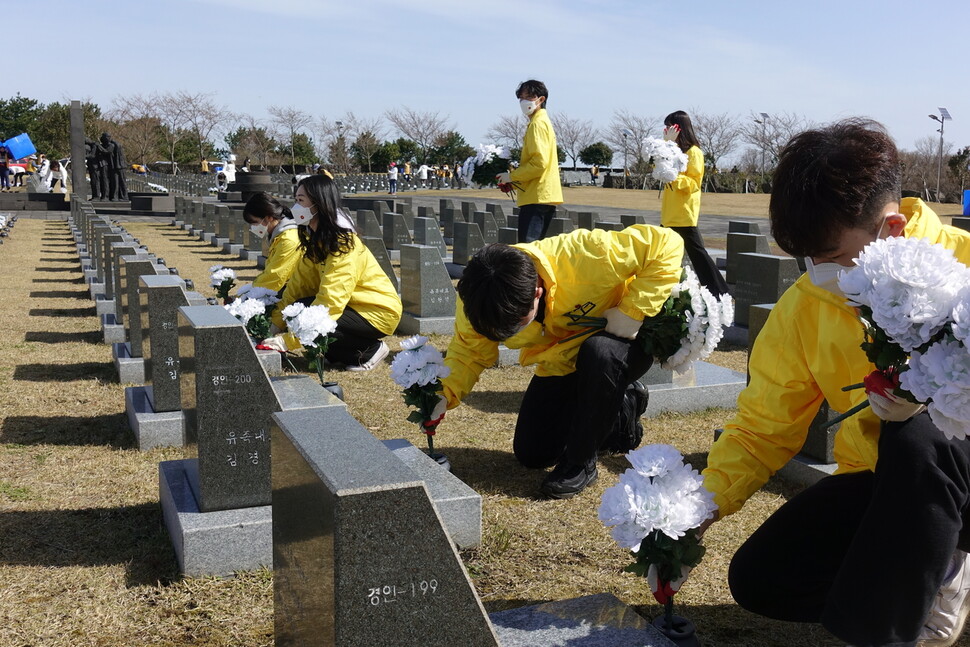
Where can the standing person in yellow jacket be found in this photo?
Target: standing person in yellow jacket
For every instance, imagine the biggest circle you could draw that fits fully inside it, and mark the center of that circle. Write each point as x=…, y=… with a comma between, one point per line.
x=875, y=553
x=681, y=204
x=584, y=396
x=338, y=271
x=267, y=217
x=538, y=189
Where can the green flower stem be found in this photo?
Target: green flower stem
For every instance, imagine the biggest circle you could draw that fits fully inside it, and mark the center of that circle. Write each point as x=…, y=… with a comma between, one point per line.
x=579, y=334
x=430, y=444
x=852, y=387
x=851, y=412
x=669, y=613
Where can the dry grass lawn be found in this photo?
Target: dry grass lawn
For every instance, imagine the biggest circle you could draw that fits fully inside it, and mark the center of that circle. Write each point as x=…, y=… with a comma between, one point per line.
x=85, y=559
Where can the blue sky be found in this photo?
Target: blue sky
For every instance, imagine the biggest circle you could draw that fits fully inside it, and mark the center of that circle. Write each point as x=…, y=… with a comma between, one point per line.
x=893, y=61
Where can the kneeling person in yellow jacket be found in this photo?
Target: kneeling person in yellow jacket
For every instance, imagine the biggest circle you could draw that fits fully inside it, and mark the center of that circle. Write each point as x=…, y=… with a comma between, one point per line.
x=875, y=552
x=584, y=396
x=267, y=217
x=338, y=271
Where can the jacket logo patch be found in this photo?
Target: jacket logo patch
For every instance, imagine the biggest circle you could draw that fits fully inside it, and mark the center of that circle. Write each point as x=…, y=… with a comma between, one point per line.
x=580, y=311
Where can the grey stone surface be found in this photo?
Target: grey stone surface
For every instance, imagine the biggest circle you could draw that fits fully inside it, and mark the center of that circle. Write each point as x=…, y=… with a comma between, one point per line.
x=744, y=227
x=427, y=232
x=367, y=224
x=112, y=330
x=609, y=226
x=712, y=386
x=592, y=621
x=117, y=283
x=131, y=370
x=426, y=289
x=459, y=506
x=507, y=356
x=961, y=222
x=227, y=397
x=508, y=235
x=559, y=226
x=742, y=243
x=103, y=305
x=152, y=428
x=585, y=219
x=376, y=247
x=468, y=240
x=211, y=543
x=498, y=212
x=486, y=223
x=448, y=219
x=396, y=232
x=761, y=278
x=628, y=220
x=161, y=297
x=130, y=271
x=360, y=555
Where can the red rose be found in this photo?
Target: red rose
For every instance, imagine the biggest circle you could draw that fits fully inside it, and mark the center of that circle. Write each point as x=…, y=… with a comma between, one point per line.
x=881, y=382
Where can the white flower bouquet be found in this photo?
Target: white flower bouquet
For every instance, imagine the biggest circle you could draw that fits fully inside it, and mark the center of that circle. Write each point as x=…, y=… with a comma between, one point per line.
x=313, y=327
x=688, y=327
x=655, y=511
x=668, y=160
x=914, y=302
x=253, y=307
x=418, y=368
x=222, y=279
x=488, y=162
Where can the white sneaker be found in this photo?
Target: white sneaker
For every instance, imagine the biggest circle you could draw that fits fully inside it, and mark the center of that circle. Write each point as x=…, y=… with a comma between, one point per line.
x=950, y=608
x=375, y=359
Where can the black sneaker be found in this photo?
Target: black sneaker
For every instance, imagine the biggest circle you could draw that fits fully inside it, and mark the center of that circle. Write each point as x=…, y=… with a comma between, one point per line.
x=566, y=480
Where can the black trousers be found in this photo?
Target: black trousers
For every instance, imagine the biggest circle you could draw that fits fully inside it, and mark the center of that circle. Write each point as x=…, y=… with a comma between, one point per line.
x=707, y=272
x=534, y=221
x=354, y=341
x=569, y=416
x=117, y=189
x=864, y=553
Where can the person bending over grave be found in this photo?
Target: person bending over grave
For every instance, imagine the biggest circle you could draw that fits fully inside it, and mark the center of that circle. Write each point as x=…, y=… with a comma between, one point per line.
x=584, y=396
x=267, y=217
x=338, y=271
x=681, y=204
x=536, y=179
x=875, y=552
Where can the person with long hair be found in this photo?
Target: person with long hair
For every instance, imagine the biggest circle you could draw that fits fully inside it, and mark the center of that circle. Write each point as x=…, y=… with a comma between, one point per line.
x=267, y=217
x=338, y=271
x=681, y=204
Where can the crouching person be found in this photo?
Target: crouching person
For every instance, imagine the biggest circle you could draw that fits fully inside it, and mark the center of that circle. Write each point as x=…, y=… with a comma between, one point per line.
x=584, y=396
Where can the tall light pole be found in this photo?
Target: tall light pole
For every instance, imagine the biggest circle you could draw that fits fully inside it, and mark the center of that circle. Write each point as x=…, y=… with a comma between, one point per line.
x=764, y=140
x=626, y=133
x=340, y=143
x=944, y=115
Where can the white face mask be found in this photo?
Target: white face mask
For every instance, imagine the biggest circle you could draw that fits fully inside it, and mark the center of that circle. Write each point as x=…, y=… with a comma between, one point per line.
x=258, y=230
x=528, y=106
x=825, y=275
x=301, y=214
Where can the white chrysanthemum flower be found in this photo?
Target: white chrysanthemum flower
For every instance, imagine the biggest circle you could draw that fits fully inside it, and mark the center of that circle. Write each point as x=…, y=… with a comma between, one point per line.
x=910, y=284
x=218, y=274
x=415, y=341
x=293, y=310
x=945, y=363
x=310, y=323
x=245, y=309
x=950, y=411
x=423, y=364
x=655, y=460
x=668, y=160
x=705, y=323
x=264, y=295
x=961, y=316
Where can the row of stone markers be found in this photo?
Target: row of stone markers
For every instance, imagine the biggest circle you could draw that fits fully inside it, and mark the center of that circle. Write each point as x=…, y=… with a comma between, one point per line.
x=7, y=221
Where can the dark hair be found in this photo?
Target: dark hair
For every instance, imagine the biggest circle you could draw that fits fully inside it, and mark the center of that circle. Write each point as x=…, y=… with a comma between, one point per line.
x=261, y=206
x=329, y=237
x=686, y=138
x=831, y=179
x=533, y=88
x=498, y=289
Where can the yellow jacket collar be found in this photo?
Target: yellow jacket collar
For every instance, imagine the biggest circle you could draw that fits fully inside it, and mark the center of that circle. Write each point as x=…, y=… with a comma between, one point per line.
x=921, y=221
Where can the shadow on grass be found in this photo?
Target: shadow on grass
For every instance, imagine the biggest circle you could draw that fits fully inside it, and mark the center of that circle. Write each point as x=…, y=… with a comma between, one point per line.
x=75, y=281
x=492, y=471
x=58, y=251
x=131, y=535
x=56, y=337
x=59, y=294
x=105, y=430
x=494, y=401
x=56, y=269
x=64, y=372
x=63, y=312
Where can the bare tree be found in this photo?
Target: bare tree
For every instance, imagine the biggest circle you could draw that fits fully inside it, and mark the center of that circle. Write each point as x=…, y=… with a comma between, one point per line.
x=508, y=131
x=204, y=116
x=920, y=165
x=288, y=121
x=719, y=135
x=769, y=134
x=338, y=135
x=423, y=128
x=573, y=135
x=254, y=140
x=626, y=133
x=138, y=126
x=174, y=118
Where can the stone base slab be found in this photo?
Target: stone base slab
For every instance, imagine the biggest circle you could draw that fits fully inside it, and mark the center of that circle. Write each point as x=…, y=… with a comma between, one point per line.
x=507, y=356
x=232, y=249
x=114, y=332
x=413, y=325
x=713, y=386
x=131, y=370
x=218, y=242
x=103, y=305
x=152, y=429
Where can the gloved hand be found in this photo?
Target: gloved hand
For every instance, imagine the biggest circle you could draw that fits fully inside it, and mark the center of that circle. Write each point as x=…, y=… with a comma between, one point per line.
x=663, y=591
x=437, y=414
x=621, y=325
x=503, y=178
x=276, y=343
x=671, y=132
x=891, y=408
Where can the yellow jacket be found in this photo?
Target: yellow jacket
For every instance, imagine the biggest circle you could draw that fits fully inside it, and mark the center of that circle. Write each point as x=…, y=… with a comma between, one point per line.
x=808, y=350
x=681, y=202
x=354, y=280
x=633, y=269
x=537, y=176
x=284, y=254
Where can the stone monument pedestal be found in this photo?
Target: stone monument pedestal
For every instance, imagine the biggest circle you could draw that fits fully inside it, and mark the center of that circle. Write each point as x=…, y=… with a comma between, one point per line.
x=113, y=330
x=131, y=370
x=701, y=387
x=151, y=428
x=103, y=305
x=413, y=325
